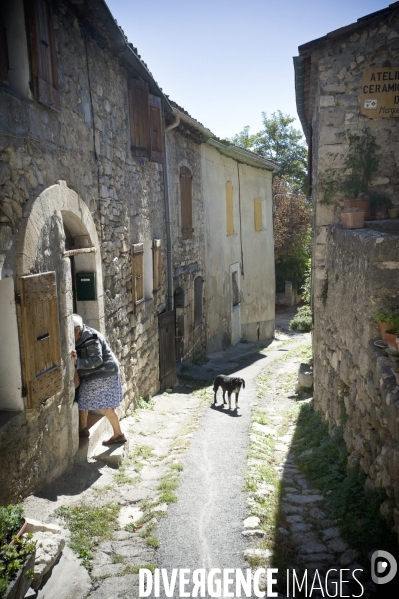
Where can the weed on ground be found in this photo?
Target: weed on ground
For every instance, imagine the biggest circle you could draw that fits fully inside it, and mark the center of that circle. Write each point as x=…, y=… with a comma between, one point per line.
x=89, y=525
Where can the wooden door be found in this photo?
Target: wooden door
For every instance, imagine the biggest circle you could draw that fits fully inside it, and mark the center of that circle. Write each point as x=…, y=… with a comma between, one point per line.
x=41, y=337
x=167, y=364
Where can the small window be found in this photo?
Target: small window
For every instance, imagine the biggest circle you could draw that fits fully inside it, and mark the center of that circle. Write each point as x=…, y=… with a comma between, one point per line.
x=258, y=215
x=44, y=64
x=235, y=288
x=157, y=264
x=138, y=273
x=229, y=208
x=186, y=202
x=198, y=284
x=14, y=59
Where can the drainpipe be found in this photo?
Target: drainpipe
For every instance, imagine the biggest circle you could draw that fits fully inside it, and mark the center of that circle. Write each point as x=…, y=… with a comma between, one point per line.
x=176, y=123
x=167, y=217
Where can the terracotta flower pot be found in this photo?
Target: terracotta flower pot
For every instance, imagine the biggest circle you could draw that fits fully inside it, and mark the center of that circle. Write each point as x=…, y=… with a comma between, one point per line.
x=352, y=220
x=384, y=326
x=391, y=339
x=362, y=202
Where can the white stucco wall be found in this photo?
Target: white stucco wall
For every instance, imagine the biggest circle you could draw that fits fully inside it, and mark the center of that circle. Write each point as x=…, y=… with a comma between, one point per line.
x=253, y=251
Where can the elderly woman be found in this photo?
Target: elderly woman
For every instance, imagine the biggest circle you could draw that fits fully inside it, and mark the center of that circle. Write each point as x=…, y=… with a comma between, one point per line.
x=100, y=383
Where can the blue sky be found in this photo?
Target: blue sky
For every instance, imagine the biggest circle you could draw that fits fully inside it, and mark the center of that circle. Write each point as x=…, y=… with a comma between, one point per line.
x=226, y=61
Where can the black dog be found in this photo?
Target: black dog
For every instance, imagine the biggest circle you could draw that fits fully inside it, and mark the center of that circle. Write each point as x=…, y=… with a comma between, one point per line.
x=229, y=384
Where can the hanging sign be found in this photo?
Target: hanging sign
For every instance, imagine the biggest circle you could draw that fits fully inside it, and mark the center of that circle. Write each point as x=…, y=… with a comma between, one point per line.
x=380, y=92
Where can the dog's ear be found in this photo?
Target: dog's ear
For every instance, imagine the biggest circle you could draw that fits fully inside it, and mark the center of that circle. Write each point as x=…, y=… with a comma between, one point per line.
x=243, y=383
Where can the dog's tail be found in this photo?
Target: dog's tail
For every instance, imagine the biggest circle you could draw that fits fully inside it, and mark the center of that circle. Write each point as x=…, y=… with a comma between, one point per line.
x=243, y=383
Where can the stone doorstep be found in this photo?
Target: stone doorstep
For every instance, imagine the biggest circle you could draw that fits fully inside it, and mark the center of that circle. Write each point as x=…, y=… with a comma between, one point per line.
x=113, y=454
x=99, y=431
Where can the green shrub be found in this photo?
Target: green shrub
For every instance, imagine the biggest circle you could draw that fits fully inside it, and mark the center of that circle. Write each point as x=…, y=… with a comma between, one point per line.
x=355, y=509
x=302, y=320
x=11, y=520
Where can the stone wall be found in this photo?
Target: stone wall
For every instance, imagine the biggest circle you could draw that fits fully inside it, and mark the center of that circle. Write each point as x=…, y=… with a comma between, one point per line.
x=87, y=146
x=354, y=272
x=354, y=385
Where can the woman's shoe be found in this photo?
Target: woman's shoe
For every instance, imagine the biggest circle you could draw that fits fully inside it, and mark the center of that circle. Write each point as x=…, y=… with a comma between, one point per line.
x=118, y=439
x=84, y=432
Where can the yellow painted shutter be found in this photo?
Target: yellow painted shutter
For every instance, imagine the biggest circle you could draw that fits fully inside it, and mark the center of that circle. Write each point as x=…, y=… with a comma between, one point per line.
x=41, y=337
x=229, y=208
x=157, y=265
x=138, y=273
x=258, y=215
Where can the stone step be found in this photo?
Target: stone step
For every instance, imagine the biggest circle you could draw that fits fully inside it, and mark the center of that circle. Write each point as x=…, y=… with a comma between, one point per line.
x=100, y=429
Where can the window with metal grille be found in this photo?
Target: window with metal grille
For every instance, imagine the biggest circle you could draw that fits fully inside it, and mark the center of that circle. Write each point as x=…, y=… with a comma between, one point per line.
x=198, y=284
x=235, y=288
x=186, y=202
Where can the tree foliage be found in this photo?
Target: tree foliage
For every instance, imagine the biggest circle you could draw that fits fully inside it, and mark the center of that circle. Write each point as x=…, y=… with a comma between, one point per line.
x=279, y=141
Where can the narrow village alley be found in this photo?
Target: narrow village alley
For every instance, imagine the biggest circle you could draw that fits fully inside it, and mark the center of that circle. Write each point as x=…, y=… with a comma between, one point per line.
x=199, y=486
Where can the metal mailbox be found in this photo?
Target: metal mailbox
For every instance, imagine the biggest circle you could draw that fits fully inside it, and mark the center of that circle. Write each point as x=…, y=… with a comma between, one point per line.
x=86, y=286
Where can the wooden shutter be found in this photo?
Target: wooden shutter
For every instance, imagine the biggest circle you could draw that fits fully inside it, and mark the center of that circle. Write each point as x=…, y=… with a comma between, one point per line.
x=229, y=208
x=138, y=273
x=3, y=51
x=157, y=264
x=186, y=203
x=156, y=139
x=258, y=215
x=139, y=118
x=41, y=337
x=44, y=64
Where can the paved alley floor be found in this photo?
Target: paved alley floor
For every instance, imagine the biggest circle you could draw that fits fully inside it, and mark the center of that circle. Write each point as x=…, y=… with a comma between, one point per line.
x=187, y=494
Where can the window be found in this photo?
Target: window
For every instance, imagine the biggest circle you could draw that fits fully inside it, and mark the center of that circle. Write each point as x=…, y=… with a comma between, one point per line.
x=44, y=64
x=157, y=264
x=186, y=202
x=198, y=284
x=138, y=273
x=145, y=112
x=229, y=208
x=41, y=338
x=14, y=59
x=258, y=215
x=235, y=288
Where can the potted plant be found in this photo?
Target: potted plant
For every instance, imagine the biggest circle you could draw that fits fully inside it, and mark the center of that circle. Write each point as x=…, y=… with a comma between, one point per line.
x=386, y=320
x=17, y=553
x=359, y=164
x=393, y=212
x=352, y=218
x=379, y=205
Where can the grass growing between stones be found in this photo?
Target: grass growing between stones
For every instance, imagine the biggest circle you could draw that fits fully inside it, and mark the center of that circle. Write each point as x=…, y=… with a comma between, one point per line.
x=89, y=525
x=133, y=462
x=355, y=509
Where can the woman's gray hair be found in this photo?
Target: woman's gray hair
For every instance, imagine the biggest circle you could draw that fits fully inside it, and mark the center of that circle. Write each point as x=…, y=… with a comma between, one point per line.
x=77, y=321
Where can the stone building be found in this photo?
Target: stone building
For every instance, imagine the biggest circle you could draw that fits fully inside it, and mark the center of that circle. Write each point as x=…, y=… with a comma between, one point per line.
x=239, y=244
x=102, y=212
x=82, y=200
x=355, y=272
